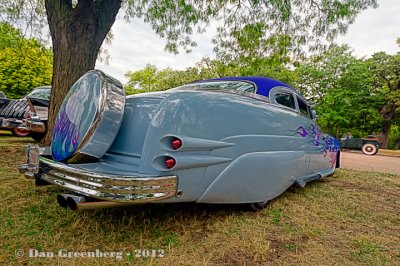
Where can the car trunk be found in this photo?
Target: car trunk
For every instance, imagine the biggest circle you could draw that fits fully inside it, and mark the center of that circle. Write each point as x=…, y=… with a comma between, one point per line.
x=126, y=150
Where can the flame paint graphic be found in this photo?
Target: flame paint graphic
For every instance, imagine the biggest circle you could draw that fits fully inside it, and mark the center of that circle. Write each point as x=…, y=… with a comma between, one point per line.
x=329, y=145
x=65, y=136
x=75, y=117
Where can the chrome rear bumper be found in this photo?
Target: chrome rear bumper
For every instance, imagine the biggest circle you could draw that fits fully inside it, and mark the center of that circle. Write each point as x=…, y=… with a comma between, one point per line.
x=10, y=123
x=109, y=187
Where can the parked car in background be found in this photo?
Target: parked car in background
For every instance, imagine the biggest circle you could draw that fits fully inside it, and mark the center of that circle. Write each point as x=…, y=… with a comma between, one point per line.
x=241, y=140
x=36, y=120
x=11, y=114
x=14, y=112
x=368, y=145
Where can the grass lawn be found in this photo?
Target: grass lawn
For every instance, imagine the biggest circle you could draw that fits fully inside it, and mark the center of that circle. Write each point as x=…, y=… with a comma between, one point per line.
x=351, y=218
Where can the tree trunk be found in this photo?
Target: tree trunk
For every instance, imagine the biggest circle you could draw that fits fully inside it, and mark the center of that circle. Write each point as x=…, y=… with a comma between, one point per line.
x=77, y=33
x=388, y=113
x=385, y=132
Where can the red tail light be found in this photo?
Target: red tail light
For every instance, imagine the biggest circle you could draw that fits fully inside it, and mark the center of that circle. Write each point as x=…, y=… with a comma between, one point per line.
x=176, y=143
x=170, y=162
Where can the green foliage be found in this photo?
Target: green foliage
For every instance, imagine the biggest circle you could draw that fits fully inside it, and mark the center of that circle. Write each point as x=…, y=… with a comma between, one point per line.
x=26, y=15
x=341, y=85
x=361, y=96
x=386, y=73
x=152, y=79
x=289, y=25
x=24, y=63
x=394, y=139
x=9, y=36
x=283, y=28
x=352, y=94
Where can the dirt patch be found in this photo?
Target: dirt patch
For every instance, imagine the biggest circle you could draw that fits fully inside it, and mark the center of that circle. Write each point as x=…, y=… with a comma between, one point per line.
x=375, y=163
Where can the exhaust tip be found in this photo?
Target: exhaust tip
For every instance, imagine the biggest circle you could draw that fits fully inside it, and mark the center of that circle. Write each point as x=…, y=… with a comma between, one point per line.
x=73, y=201
x=62, y=201
x=72, y=204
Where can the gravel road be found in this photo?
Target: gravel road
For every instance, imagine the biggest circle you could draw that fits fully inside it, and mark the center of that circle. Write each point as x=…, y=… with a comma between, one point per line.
x=375, y=163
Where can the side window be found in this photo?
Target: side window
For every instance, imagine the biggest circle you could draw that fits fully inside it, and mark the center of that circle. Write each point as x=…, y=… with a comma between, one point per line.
x=285, y=99
x=303, y=107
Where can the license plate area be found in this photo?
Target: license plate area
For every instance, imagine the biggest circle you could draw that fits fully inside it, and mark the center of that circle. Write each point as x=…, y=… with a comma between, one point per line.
x=32, y=157
x=31, y=167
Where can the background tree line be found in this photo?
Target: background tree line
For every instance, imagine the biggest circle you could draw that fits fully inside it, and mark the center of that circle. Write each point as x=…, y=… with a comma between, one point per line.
x=266, y=38
x=357, y=95
x=79, y=27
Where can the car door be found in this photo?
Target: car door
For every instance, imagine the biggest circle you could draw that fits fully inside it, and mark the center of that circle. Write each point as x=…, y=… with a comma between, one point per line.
x=319, y=159
x=297, y=124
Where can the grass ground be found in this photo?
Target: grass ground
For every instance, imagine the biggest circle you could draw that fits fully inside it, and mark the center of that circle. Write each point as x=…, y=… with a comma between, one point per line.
x=351, y=218
x=395, y=153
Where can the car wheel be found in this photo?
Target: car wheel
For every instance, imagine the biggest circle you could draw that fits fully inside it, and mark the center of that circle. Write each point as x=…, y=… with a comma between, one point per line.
x=369, y=149
x=19, y=132
x=258, y=206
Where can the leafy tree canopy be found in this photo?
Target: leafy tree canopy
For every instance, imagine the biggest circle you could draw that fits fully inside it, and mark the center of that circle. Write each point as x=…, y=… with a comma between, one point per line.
x=354, y=95
x=250, y=27
x=79, y=27
x=24, y=63
x=386, y=73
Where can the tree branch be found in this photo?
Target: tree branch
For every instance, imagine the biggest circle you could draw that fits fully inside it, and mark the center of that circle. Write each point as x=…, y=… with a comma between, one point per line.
x=106, y=11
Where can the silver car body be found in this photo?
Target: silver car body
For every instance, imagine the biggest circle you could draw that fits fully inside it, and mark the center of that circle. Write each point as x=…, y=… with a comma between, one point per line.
x=237, y=145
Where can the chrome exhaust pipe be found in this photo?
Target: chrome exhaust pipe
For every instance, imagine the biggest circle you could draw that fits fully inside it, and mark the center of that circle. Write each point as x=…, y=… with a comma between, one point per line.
x=68, y=200
x=62, y=200
x=73, y=201
x=92, y=205
x=80, y=203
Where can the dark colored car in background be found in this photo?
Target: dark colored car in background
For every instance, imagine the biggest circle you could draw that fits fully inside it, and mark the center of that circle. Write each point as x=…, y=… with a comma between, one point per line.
x=36, y=121
x=368, y=145
x=13, y=112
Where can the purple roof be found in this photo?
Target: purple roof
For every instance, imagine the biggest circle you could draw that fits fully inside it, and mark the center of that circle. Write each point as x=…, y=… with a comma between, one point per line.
x=264, y=85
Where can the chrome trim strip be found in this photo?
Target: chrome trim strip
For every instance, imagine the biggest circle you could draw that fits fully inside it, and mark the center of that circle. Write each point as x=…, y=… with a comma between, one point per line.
x=119, y=188
x=34, y=126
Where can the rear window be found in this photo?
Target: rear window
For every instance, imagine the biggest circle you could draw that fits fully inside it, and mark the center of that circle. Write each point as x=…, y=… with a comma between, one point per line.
x=223, y=85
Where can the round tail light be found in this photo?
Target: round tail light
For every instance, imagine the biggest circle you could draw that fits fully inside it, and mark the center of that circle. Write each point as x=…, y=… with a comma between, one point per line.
x=170, y=162
x=176, y=143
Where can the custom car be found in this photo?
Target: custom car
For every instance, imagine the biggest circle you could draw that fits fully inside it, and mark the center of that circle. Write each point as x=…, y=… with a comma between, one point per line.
x=13, y=112
x=36, y=120
x=239, y=140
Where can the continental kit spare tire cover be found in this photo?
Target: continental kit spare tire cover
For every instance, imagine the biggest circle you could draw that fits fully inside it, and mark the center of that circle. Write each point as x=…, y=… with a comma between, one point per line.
x=89, y=118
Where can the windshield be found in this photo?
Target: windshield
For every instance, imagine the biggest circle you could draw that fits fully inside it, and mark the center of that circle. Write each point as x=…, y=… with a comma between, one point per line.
x=222, y=85
x=42, y=93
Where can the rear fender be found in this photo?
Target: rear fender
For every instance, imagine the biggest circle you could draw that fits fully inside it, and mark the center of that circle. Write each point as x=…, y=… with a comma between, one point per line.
x=255, y=177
